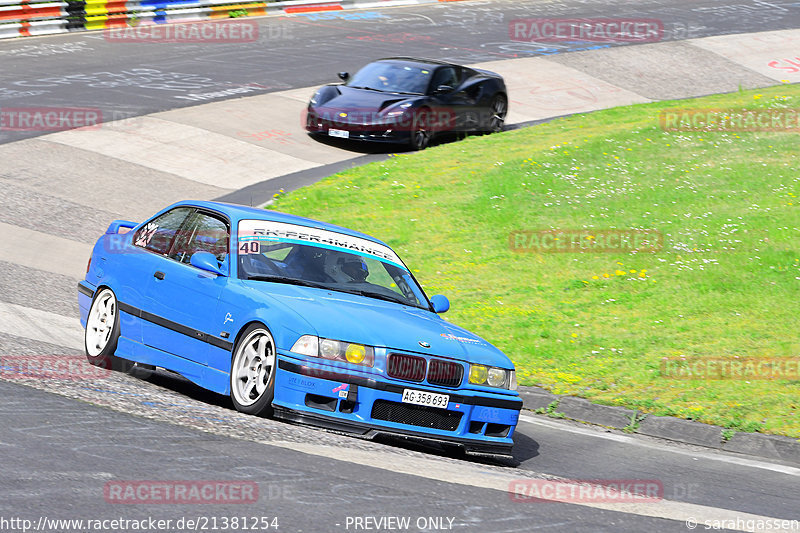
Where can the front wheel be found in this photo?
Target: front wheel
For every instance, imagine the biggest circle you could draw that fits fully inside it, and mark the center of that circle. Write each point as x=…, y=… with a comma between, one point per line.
x=420, y=132
x=497, y=109
x=253, y=371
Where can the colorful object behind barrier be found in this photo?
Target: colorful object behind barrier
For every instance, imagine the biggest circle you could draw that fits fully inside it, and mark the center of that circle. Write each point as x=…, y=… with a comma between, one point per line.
x=25, y=18
x=20, y=18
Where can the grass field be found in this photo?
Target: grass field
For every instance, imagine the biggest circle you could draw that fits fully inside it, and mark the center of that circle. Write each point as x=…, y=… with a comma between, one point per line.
x=726, y=283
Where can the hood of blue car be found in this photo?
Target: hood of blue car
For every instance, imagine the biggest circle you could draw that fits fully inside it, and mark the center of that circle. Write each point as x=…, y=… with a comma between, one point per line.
x=354, y=318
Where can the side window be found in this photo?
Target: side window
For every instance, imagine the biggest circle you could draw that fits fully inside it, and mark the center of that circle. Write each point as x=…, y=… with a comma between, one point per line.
x=158, y=234
x=445, y=76
x=202, y=233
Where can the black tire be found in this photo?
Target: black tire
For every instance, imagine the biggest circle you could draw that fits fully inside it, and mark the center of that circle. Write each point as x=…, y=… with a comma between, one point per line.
x=254, y=369
x=100, y=338
x=498, y=108
x=420, y=135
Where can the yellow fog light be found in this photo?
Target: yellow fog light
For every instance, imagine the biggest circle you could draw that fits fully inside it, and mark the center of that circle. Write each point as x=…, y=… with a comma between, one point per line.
x=355, y=353
x=478, y=374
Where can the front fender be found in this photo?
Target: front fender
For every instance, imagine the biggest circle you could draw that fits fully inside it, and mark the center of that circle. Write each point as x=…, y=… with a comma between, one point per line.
x=285, y=324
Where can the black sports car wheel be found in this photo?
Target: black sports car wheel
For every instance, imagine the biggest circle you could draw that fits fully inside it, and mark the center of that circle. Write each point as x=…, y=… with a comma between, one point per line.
x=420, y=132
x=498, y=110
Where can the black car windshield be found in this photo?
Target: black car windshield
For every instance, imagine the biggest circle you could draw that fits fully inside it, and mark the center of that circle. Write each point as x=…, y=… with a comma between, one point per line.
x=311, y=257
x=393, y=77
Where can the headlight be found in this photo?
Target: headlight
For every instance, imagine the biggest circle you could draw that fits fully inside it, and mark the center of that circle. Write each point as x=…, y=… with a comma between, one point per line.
x=328, y=349
x=353, y=353
x=478, y=374
x=307, y=345
x=399, y=111
x=315, y=98
x=491, y=376
x=497, y=377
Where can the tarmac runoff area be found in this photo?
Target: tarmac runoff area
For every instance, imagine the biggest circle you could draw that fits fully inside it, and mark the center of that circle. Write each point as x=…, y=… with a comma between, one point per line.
x=214, y=149
x=247, y=148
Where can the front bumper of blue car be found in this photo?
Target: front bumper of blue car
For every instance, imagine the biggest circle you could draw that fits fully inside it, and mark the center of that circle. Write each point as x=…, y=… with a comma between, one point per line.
x=365, y=404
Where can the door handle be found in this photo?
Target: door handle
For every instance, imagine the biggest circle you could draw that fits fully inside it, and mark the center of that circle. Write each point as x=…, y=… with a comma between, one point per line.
x=158, y=274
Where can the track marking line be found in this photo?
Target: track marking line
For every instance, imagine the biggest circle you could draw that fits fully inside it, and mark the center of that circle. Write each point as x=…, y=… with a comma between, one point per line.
x=474, y=476
x=740, y=461
x=42, y=326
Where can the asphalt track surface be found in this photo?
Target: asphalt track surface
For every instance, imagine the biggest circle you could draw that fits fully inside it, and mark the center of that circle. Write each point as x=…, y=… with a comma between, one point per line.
x=128, y=79
x=58, y=451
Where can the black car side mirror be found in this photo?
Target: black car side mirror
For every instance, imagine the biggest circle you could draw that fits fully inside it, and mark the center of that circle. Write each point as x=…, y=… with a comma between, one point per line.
x=443, y=89
x=344, y=76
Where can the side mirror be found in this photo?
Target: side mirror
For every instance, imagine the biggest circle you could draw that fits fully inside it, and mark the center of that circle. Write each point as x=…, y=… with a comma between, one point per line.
x=443, y=89
x=344, y=76
x=440, y=303
x=206, y=261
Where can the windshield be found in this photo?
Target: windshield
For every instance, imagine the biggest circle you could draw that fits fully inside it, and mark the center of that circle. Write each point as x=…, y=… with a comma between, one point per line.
x=407, y=78
x=287, y=253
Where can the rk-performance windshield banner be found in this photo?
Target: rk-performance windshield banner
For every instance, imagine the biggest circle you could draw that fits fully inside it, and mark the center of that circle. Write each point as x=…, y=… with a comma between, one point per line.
x=266, y=231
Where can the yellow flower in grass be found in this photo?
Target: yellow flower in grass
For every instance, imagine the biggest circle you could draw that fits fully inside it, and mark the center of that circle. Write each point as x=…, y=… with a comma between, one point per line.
x=569, y=378
x=598, y=277
x=619, y=272
x=605, y=275
x=633, y=271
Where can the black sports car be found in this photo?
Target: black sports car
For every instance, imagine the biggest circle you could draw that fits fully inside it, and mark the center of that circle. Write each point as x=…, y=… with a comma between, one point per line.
x=407, y=100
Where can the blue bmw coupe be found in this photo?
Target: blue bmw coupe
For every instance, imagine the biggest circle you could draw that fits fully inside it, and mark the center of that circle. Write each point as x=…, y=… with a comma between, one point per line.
x=294, y=318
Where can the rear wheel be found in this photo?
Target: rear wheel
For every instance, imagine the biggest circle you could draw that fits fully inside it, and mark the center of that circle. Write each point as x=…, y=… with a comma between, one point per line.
x=102, y=332
x=253, y=371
